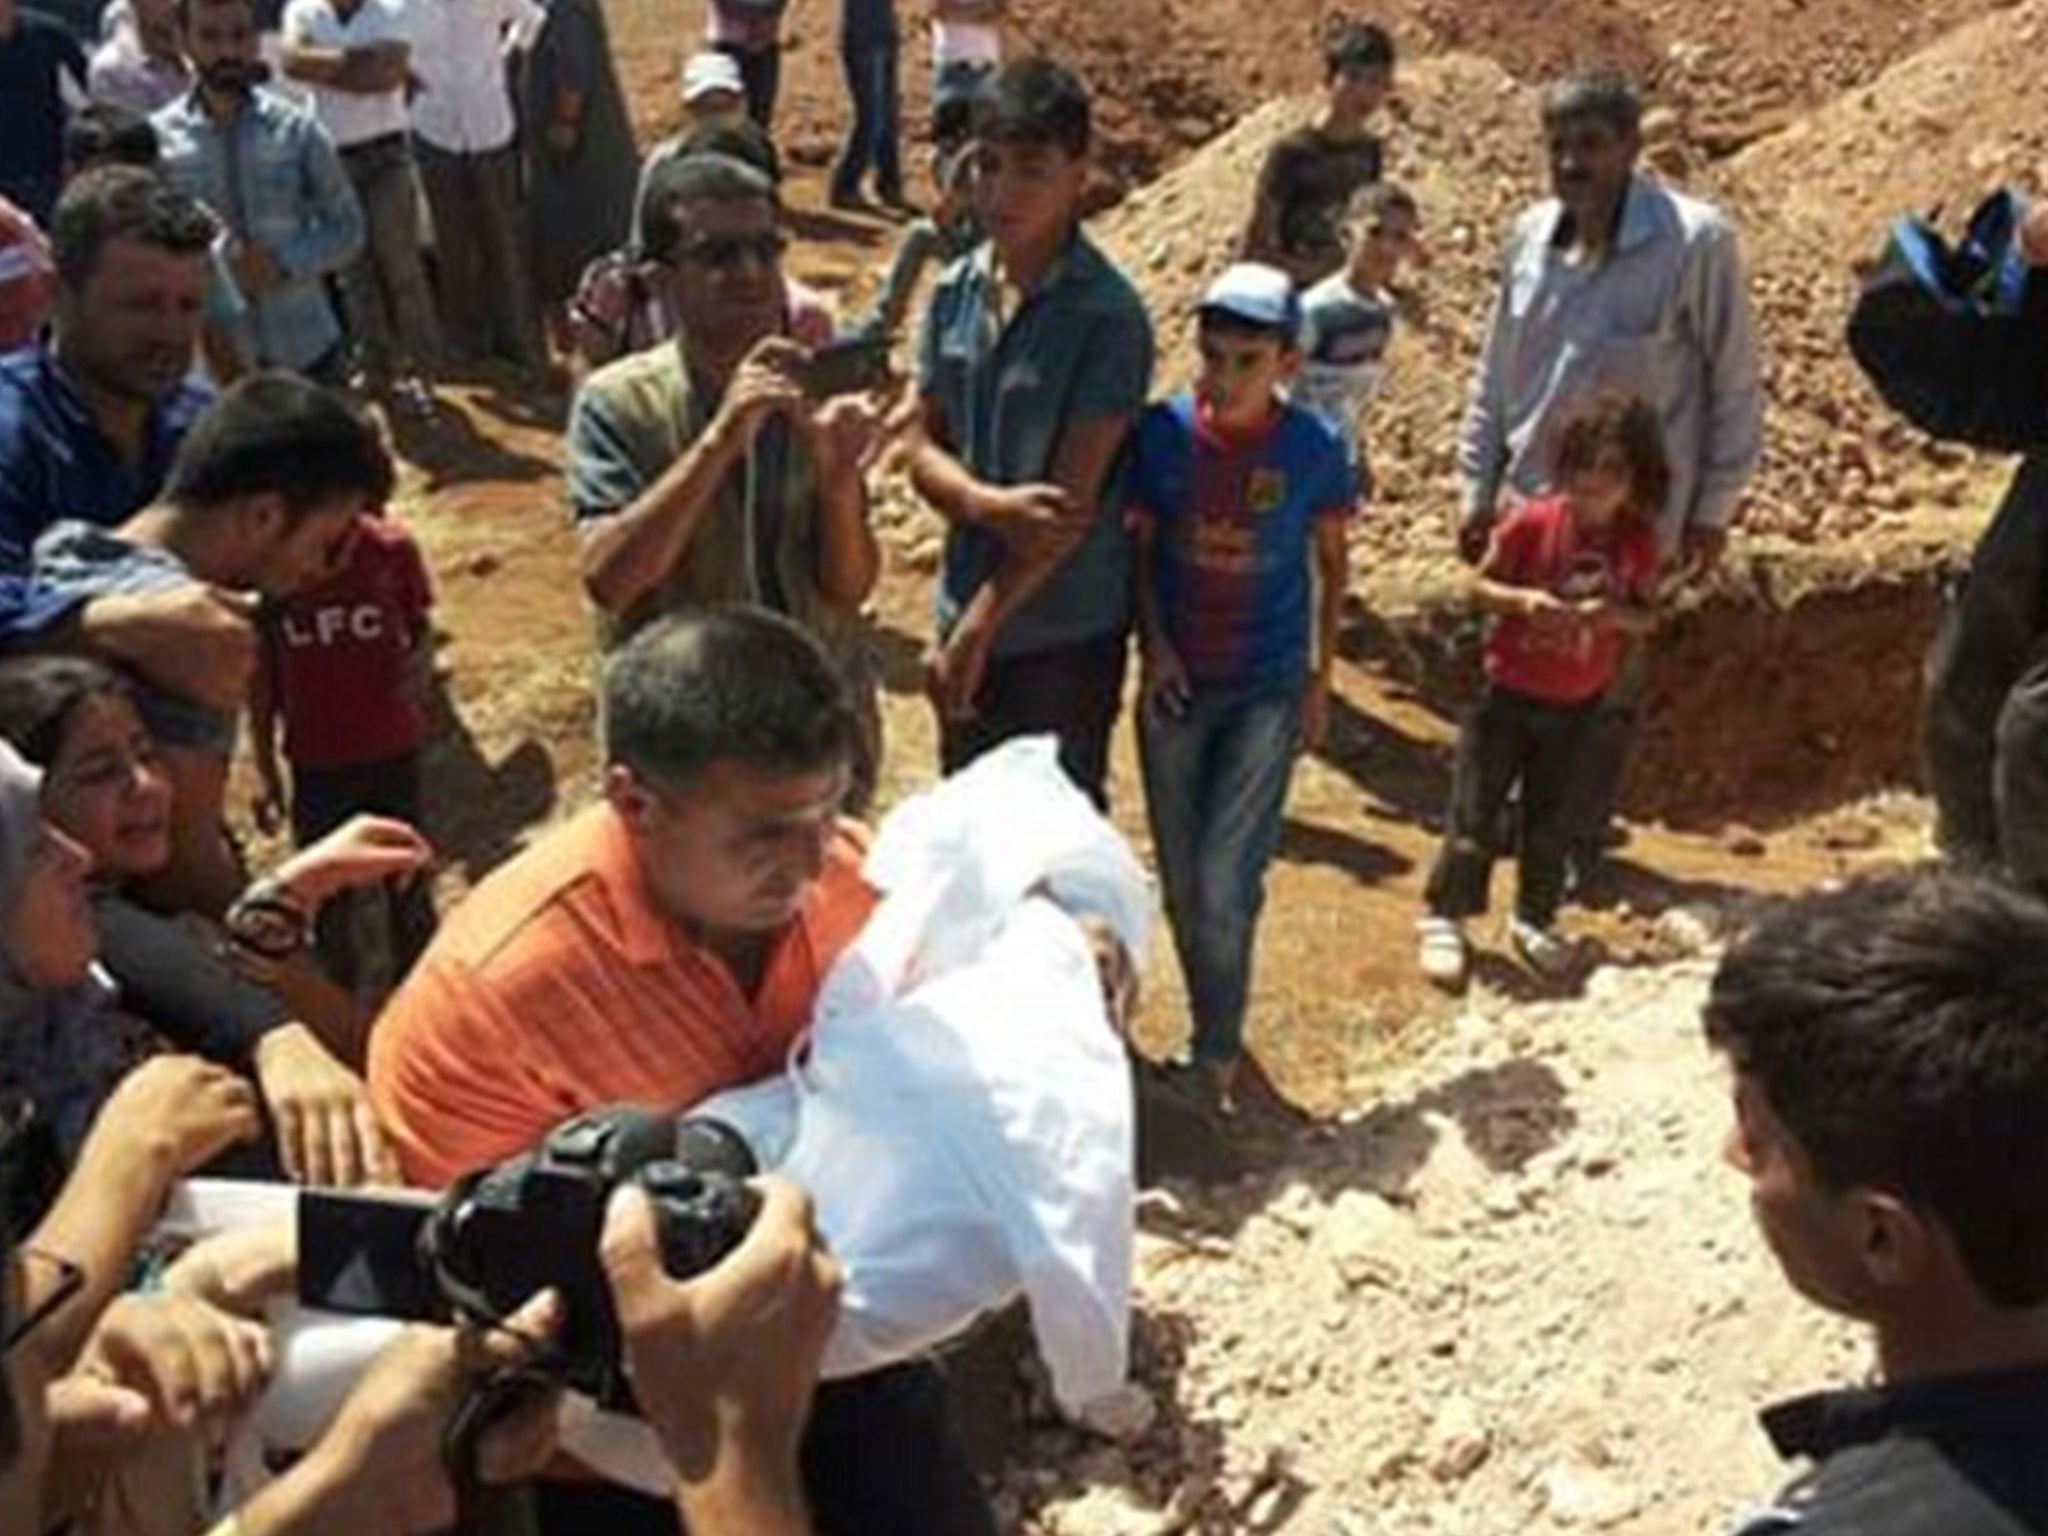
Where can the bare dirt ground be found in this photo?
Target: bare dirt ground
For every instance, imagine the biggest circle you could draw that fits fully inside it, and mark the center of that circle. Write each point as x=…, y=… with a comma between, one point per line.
x=1478, y=1272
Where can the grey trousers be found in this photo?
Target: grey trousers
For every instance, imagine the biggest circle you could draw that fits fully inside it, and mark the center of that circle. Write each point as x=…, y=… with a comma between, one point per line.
x=384, y=290
x=1984, y=722
x=486, y=296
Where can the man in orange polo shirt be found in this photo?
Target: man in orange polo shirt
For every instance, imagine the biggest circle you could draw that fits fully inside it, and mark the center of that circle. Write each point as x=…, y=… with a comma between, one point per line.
x=665, y=944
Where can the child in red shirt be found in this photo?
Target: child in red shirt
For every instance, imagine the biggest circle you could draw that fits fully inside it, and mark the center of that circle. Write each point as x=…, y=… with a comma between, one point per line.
x=344, y=666
x=1568, y=576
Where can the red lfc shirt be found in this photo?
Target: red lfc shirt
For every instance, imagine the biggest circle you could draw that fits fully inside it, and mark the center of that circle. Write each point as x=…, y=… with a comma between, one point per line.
x=341, y=655
x=1538, y=545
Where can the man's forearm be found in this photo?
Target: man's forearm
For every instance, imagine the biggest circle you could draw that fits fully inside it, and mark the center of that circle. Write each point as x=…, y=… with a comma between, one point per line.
x=115, y=1192
x=945, y=482
x=848, y=561
x=630, y=553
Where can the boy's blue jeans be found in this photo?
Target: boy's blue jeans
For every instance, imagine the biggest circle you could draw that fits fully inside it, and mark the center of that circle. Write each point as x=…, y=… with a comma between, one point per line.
x=1215, y=784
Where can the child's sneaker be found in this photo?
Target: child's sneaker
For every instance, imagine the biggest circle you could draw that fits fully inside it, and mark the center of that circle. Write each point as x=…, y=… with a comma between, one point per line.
x=1547, y=955
x=1445, y=957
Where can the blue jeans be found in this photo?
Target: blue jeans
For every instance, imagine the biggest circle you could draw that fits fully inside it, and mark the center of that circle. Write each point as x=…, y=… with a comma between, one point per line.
x=874, y=140
x=1215, y=783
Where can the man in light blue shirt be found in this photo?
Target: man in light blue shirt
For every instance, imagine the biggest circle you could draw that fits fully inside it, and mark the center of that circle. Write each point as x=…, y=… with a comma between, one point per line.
x=271, y=175
x=1616, y=283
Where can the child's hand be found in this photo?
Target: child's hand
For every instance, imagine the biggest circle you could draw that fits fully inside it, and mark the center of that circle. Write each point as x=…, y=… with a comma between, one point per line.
x=954, y=673
x=364, y=850
x=1548, y=612
x=1166, y=679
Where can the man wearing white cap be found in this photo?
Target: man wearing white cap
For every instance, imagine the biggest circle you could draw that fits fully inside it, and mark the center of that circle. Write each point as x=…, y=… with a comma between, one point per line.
x=714, y=96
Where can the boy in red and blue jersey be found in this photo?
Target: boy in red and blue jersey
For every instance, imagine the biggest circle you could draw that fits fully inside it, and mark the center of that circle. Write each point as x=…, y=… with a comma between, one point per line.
x=1239, y=503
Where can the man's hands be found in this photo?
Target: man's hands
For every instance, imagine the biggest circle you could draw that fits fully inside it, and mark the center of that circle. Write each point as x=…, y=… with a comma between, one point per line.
x=1475, y=532
x=197, y=642
x=181, y=1111
x=1035, y=519
x=842, y=433
x=194, y=1365
x=1701, y=549
x=766, y=382
x=724, y=1365
x=956, y=668
x=256, y=270
x=326, y=1131
x=379, y=1467
x=364, y=850
x=240, y=1270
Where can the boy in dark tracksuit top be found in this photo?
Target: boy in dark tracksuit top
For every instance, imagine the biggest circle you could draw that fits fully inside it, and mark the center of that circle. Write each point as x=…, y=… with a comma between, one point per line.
x=1889, y=1045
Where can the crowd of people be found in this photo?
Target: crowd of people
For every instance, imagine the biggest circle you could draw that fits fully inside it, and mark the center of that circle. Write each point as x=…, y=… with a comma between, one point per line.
x=218, y=218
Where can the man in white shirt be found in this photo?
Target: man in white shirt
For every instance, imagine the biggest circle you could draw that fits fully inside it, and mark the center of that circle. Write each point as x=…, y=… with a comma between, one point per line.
x=463, y=129
x=355, y=57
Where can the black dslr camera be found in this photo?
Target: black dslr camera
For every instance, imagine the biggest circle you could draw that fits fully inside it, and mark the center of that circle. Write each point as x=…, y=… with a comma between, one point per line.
x=498, y=1236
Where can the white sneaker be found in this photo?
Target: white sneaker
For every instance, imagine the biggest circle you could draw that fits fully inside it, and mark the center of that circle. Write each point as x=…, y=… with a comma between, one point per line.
x=1547, y=955
x=1445, y=957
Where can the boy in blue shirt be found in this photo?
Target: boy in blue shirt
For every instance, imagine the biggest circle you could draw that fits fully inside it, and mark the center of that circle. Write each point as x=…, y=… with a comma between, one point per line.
x=1239, y=504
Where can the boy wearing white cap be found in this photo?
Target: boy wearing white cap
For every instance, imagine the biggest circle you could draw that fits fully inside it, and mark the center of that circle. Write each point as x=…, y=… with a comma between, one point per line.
x=1239, y=501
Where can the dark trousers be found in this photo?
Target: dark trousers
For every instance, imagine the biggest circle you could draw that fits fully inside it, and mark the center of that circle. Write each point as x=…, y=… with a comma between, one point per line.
x=882, y=1456
x=1594, y=795
x=761, y=75
x=1984, y=725
x=384, y=290
x=874, y=142
x=1510, y=739
x=480, y=250
x=1074, y=692
x=397, y=917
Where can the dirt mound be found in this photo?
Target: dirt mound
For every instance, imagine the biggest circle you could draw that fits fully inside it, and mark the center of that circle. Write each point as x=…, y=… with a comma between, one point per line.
x=1170, y=74
x=1437, y=1315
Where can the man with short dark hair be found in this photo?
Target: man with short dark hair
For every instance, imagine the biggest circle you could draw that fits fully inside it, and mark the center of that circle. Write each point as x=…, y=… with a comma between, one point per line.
x=90, y=418
x=40, y=65
x=703, y=470
x=1036, y=358
x=1617, y=283
x=1889, y=1043
x=1310, y=177
x=667, y=943
x=261, y=502
x=271, y=175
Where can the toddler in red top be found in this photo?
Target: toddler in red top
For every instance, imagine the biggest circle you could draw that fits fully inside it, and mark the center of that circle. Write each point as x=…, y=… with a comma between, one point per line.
x=344, y=672
x=1568, y=576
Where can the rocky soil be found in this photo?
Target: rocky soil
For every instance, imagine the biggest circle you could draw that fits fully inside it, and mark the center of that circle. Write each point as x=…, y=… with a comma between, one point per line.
x=1516, y=1290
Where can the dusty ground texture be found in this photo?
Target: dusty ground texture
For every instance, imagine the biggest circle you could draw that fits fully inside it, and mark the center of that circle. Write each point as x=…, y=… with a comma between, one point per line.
x=1515, y=1291
x=1479, y=1271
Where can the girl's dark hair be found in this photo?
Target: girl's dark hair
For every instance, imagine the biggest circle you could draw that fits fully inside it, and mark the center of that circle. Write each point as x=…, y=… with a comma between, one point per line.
x=40, y=695
x=1626, y=424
